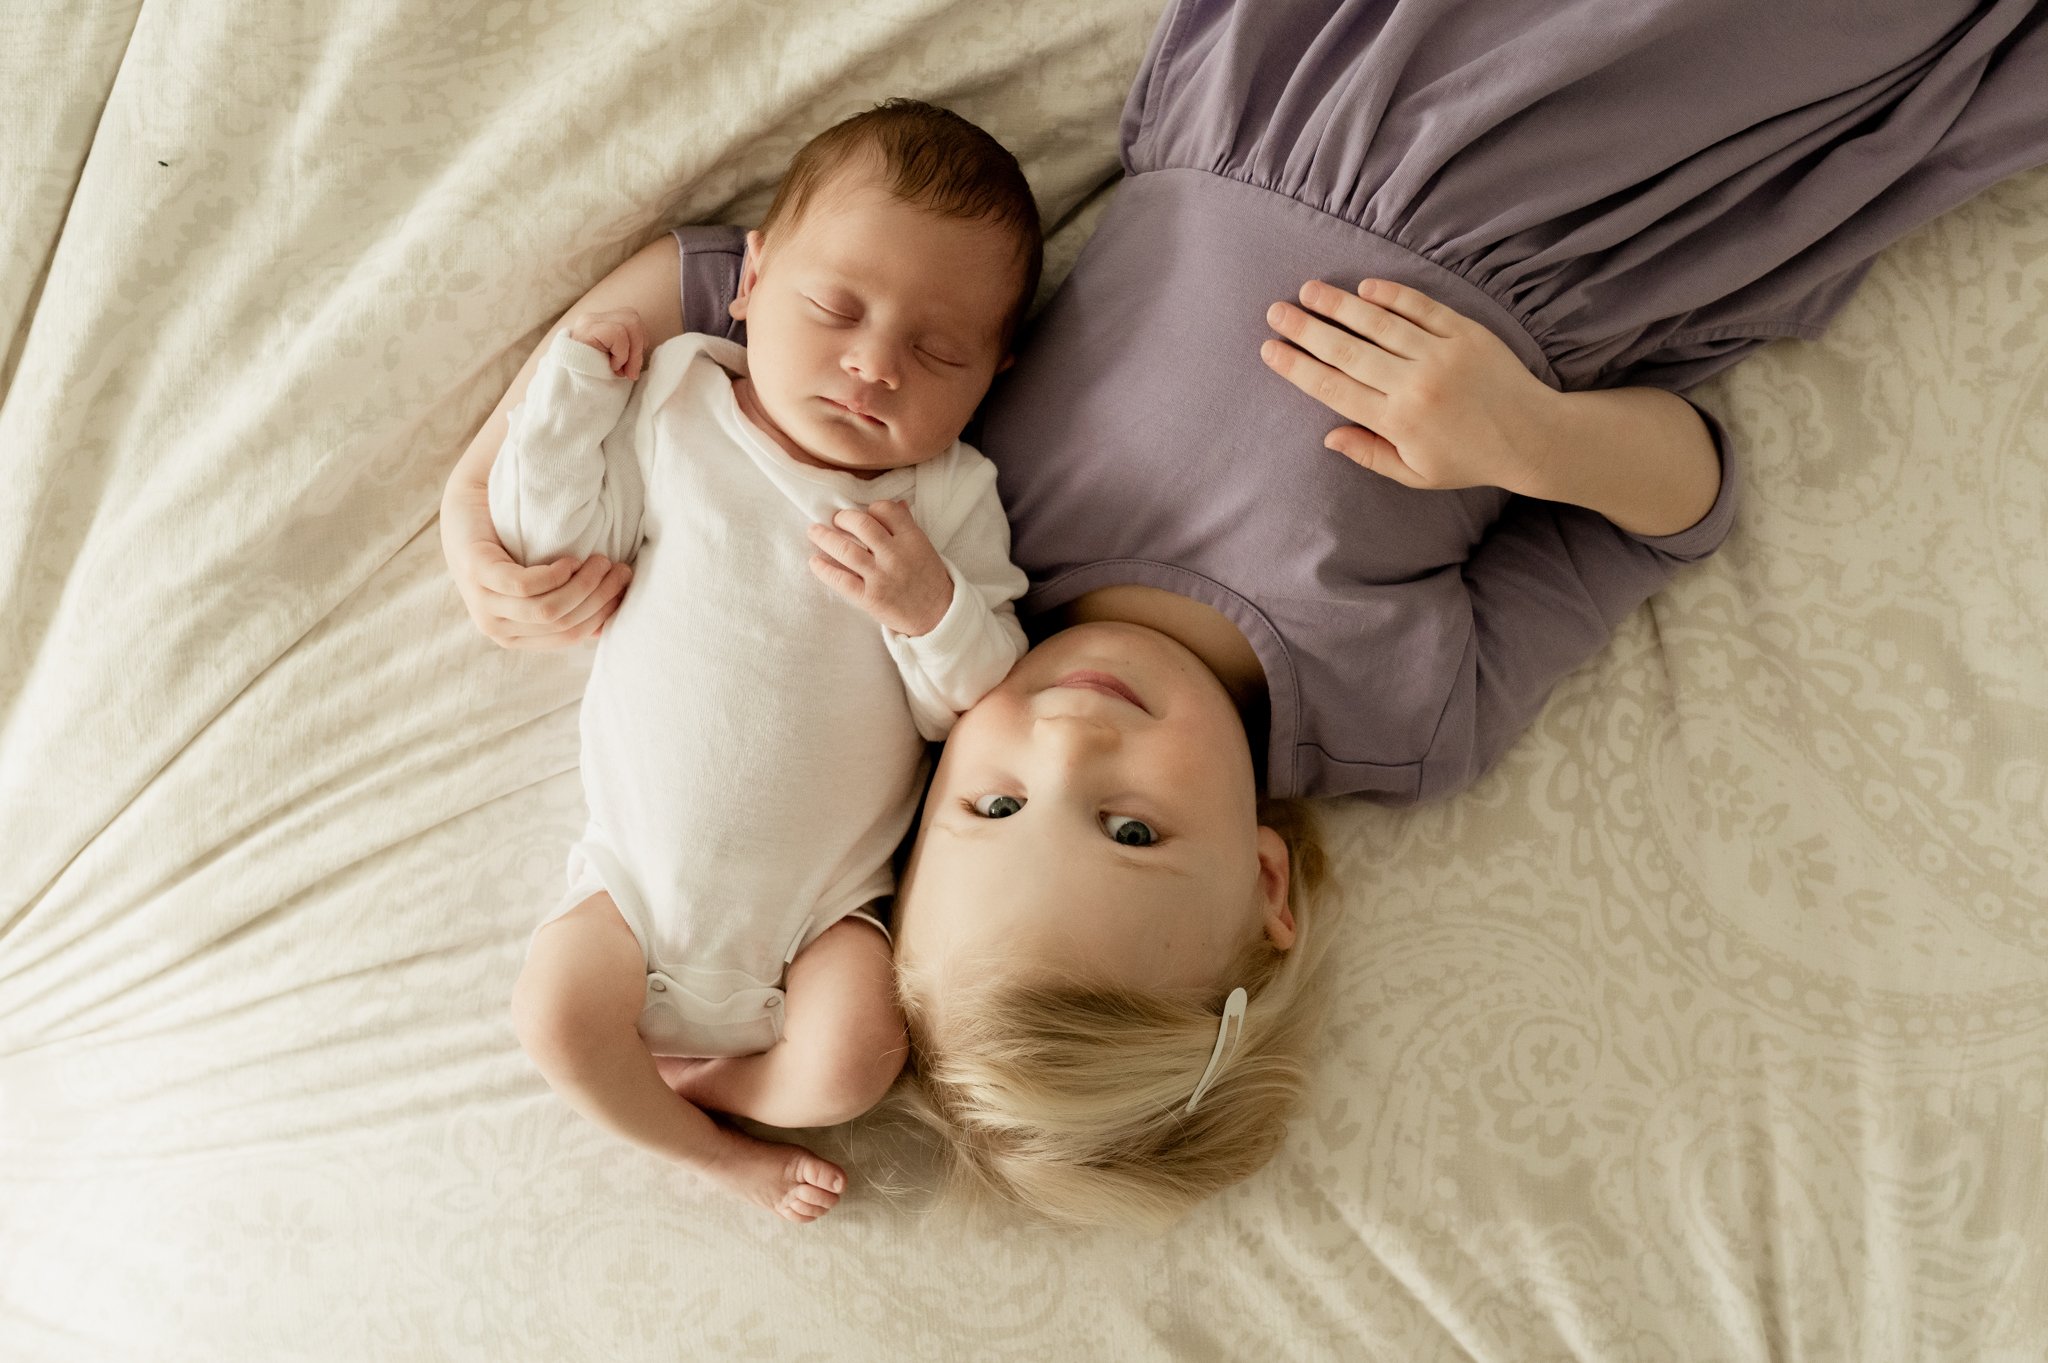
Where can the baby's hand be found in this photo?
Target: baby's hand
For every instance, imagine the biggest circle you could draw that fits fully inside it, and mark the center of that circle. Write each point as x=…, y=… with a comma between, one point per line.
x=880, y=560
x=620, y=334
x=1440, y=401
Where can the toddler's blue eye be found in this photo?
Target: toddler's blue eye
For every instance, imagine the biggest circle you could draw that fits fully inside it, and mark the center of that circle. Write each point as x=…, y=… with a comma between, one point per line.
x=1130, y=832
x=997, y=806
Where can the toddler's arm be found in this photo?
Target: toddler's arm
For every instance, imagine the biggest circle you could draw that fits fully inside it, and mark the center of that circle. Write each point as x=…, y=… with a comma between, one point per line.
x=561, y=603
x=1546, y=589
x=1441, y=402
x=559, y=486
x=1615, y=490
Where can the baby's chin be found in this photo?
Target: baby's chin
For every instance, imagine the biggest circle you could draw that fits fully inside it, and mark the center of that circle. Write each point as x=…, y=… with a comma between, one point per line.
x=831, y=441
x=832, y=449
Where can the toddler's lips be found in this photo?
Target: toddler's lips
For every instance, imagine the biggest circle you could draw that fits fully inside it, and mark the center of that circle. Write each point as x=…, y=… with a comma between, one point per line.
x=1103, y=682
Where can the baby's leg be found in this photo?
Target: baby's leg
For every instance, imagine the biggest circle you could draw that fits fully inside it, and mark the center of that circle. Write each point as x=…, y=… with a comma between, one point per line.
x=842, y=1043
x=577, y=1009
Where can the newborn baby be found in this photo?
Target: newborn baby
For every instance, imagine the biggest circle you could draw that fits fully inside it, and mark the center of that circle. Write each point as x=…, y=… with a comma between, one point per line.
x=822, y=583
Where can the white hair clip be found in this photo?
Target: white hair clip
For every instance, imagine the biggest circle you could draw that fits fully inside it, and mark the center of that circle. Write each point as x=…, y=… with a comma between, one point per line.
x=1233, y=1010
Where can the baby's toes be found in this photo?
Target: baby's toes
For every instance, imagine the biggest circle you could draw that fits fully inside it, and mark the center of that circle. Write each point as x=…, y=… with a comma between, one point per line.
x=814, y=1186
x=804, y=1203
x=821, y=1174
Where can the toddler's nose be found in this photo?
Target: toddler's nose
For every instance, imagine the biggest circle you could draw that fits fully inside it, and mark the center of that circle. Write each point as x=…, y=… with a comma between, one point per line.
x=1071, y=742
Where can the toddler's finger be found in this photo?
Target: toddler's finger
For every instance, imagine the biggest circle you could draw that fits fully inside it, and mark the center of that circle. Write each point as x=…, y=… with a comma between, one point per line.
x=1357, y=313
x=604, y=597
x=1359, y=357
x=1413, y=304
x=587, y=575
x=1371, y=451
x=550, y=607
x=1333, y=388
x=507, y=578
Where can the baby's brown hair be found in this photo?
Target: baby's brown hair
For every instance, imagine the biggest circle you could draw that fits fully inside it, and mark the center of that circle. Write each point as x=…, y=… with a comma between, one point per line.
x=935, y=160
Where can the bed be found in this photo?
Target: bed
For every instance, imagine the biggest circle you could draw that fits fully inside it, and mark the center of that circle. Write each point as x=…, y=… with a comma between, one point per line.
x=1712, y=1025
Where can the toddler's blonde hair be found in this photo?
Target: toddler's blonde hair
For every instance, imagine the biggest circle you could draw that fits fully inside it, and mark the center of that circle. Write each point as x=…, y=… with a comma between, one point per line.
x=1070, y=1101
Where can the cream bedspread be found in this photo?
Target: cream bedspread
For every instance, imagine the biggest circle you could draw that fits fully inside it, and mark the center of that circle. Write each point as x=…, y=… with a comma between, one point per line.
x=1713, y=1025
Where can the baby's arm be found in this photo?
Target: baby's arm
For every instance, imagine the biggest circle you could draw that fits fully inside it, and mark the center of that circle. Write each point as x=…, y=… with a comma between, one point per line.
x=559, y=487
x=577, y=1010
x=945, y=605
x=962, y=637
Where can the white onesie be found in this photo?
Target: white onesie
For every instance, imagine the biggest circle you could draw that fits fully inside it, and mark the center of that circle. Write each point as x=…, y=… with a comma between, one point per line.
x=753, y=745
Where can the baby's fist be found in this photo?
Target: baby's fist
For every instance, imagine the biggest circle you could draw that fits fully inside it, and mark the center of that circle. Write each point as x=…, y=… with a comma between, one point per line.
x=620, y=334
x=881, y=560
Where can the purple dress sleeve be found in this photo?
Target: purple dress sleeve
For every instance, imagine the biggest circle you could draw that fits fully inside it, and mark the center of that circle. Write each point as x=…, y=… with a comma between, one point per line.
x=710, y=277
x=1546, y=589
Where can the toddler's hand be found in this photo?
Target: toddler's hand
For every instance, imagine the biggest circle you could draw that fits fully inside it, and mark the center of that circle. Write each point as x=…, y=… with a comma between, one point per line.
x=1440, y=401
x=550, y=605
x=881, y=560
x=620, y=334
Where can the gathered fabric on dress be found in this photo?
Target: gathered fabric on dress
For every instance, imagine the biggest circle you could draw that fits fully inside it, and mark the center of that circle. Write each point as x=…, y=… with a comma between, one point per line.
x=1623, y=191
x=1650, y=187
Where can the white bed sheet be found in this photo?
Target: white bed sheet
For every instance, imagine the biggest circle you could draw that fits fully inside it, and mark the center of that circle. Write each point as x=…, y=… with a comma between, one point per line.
x=1713, y=1025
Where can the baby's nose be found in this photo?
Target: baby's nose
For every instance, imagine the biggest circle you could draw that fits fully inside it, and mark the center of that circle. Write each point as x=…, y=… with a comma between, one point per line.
x=874, y=363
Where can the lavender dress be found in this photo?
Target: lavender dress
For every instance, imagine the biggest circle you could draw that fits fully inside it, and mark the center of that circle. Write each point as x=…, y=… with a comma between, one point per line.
x=1625, y=191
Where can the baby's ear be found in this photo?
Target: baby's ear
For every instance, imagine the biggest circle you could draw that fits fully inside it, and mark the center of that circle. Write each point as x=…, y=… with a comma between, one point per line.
x=750, y=274
x=1005, y=362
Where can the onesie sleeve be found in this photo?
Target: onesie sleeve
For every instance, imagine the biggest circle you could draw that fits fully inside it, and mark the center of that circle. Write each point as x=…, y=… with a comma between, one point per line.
x=1546, y=588
x=977, y=641
x=559, y=486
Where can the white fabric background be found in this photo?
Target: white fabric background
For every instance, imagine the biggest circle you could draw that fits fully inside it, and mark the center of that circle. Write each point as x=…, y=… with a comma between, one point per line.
x=1713, y=1025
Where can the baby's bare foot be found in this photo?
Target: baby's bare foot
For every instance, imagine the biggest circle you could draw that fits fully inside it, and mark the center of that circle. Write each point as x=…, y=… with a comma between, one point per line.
x=785, y=1179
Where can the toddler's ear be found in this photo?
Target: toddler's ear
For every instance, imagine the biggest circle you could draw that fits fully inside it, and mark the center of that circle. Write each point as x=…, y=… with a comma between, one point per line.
x=1006, y=362
x=1274, y=907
